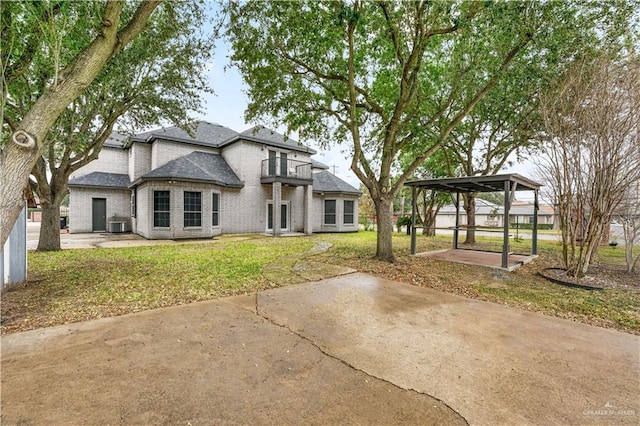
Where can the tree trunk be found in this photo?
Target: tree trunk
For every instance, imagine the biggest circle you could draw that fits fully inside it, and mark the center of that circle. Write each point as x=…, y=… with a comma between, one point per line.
x=49, y=239
x=429, y=222
x=26, y=144
x=384, y=246
x=470, y=209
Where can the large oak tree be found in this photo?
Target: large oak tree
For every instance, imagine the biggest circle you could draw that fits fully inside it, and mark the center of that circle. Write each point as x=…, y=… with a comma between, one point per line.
x=157, y=77
x=29, y=28
x=387, y=78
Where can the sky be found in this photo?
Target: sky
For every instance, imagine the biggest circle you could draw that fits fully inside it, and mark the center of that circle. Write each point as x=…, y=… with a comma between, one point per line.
x=227, y=106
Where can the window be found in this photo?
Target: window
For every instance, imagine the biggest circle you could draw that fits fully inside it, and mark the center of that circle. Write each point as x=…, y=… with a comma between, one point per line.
x=329, y=212
x=348, y=212
x=192, y=208
x=284, y=216
x=215, y=209
x=134, y=196
x=161, y=211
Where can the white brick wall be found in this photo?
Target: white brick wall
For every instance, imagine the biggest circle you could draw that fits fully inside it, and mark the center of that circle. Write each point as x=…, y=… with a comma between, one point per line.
x=176, y=201
x=250, y=204
x=81, y=205
x=110, y=160
x=139, y=160
x=340, y=226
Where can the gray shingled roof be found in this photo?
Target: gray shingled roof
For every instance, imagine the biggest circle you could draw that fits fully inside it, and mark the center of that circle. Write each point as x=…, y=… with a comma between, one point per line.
x=103, y=180
x=318, y=165
x=116, y=140
x=326, y=182
x=197, y=167
x=208, y=134
x=261, y=134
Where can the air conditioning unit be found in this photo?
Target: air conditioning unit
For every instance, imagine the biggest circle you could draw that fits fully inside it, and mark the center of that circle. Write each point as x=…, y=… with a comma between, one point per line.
x=116, y=227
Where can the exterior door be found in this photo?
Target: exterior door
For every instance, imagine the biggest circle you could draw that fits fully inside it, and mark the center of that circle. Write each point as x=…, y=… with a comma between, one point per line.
x=99, y=214
x=283, y=164
x=284, y=216
x=272, y=163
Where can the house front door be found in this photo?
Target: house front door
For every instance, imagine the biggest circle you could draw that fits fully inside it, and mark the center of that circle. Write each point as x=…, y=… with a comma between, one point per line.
x=284, y=216
x=99, y=214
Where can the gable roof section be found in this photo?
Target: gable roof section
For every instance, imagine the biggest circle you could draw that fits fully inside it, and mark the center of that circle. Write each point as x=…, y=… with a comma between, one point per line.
x=261, y=134
x=102, y=180
x=318, y=165
x=326, y=182
x=206, y=134
x=196, y=167
x=116, y=140
x=217, y=136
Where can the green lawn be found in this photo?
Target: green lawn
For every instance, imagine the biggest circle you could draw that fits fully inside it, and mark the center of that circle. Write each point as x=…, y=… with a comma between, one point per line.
x=74, y=285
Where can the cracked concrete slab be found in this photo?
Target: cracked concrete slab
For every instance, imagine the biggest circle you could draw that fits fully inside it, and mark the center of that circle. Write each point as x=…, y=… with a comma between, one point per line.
x=205, y=363
x=490, y=363
x=353, y=349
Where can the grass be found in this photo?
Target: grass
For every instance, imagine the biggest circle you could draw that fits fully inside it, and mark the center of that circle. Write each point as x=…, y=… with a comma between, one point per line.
x=75, y=285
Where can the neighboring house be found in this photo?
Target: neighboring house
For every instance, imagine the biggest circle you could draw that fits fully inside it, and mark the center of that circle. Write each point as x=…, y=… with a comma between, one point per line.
x=489, y=214
x=166, y=184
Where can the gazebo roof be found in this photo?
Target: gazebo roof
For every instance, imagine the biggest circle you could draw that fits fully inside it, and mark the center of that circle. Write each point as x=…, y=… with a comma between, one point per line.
x=493, y=183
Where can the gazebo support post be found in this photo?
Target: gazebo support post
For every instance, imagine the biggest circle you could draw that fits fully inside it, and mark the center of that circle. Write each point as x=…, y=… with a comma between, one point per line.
x=456, y=229
x=414, y=191
x=534, y=236
x=505, y=237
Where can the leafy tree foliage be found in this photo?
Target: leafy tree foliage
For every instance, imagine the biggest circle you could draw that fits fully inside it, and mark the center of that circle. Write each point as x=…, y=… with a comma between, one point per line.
x=68, y=43
x=157, y=77
x=592, y=123
x=390, y=78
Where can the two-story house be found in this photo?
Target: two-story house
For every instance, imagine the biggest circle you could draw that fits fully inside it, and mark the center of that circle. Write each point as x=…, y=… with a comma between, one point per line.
x=166, y=184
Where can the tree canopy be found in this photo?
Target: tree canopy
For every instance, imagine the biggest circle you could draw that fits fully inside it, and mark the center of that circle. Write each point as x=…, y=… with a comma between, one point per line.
x=392, y=78
x=32, y=39
x=157, y=77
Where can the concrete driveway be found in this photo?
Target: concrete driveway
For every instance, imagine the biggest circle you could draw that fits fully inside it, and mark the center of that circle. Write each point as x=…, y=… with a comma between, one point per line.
x=349, y=350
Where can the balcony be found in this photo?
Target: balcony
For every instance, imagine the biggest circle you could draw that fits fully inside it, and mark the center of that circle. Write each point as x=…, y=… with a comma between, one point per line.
x=290, y=172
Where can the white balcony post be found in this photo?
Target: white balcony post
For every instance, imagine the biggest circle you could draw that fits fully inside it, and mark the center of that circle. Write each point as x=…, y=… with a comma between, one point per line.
x=308, y=200
x=277, y=201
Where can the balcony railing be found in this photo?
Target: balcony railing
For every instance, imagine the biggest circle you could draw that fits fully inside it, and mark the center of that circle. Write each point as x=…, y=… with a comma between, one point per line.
x=276, y=169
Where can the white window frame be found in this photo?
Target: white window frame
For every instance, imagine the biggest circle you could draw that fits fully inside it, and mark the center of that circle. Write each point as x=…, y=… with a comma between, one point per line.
x=219, y=194
x=344, y=212
x=335, y=213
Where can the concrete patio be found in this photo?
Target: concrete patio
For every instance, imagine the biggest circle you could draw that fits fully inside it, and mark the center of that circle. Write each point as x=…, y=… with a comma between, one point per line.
x=354, y=349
